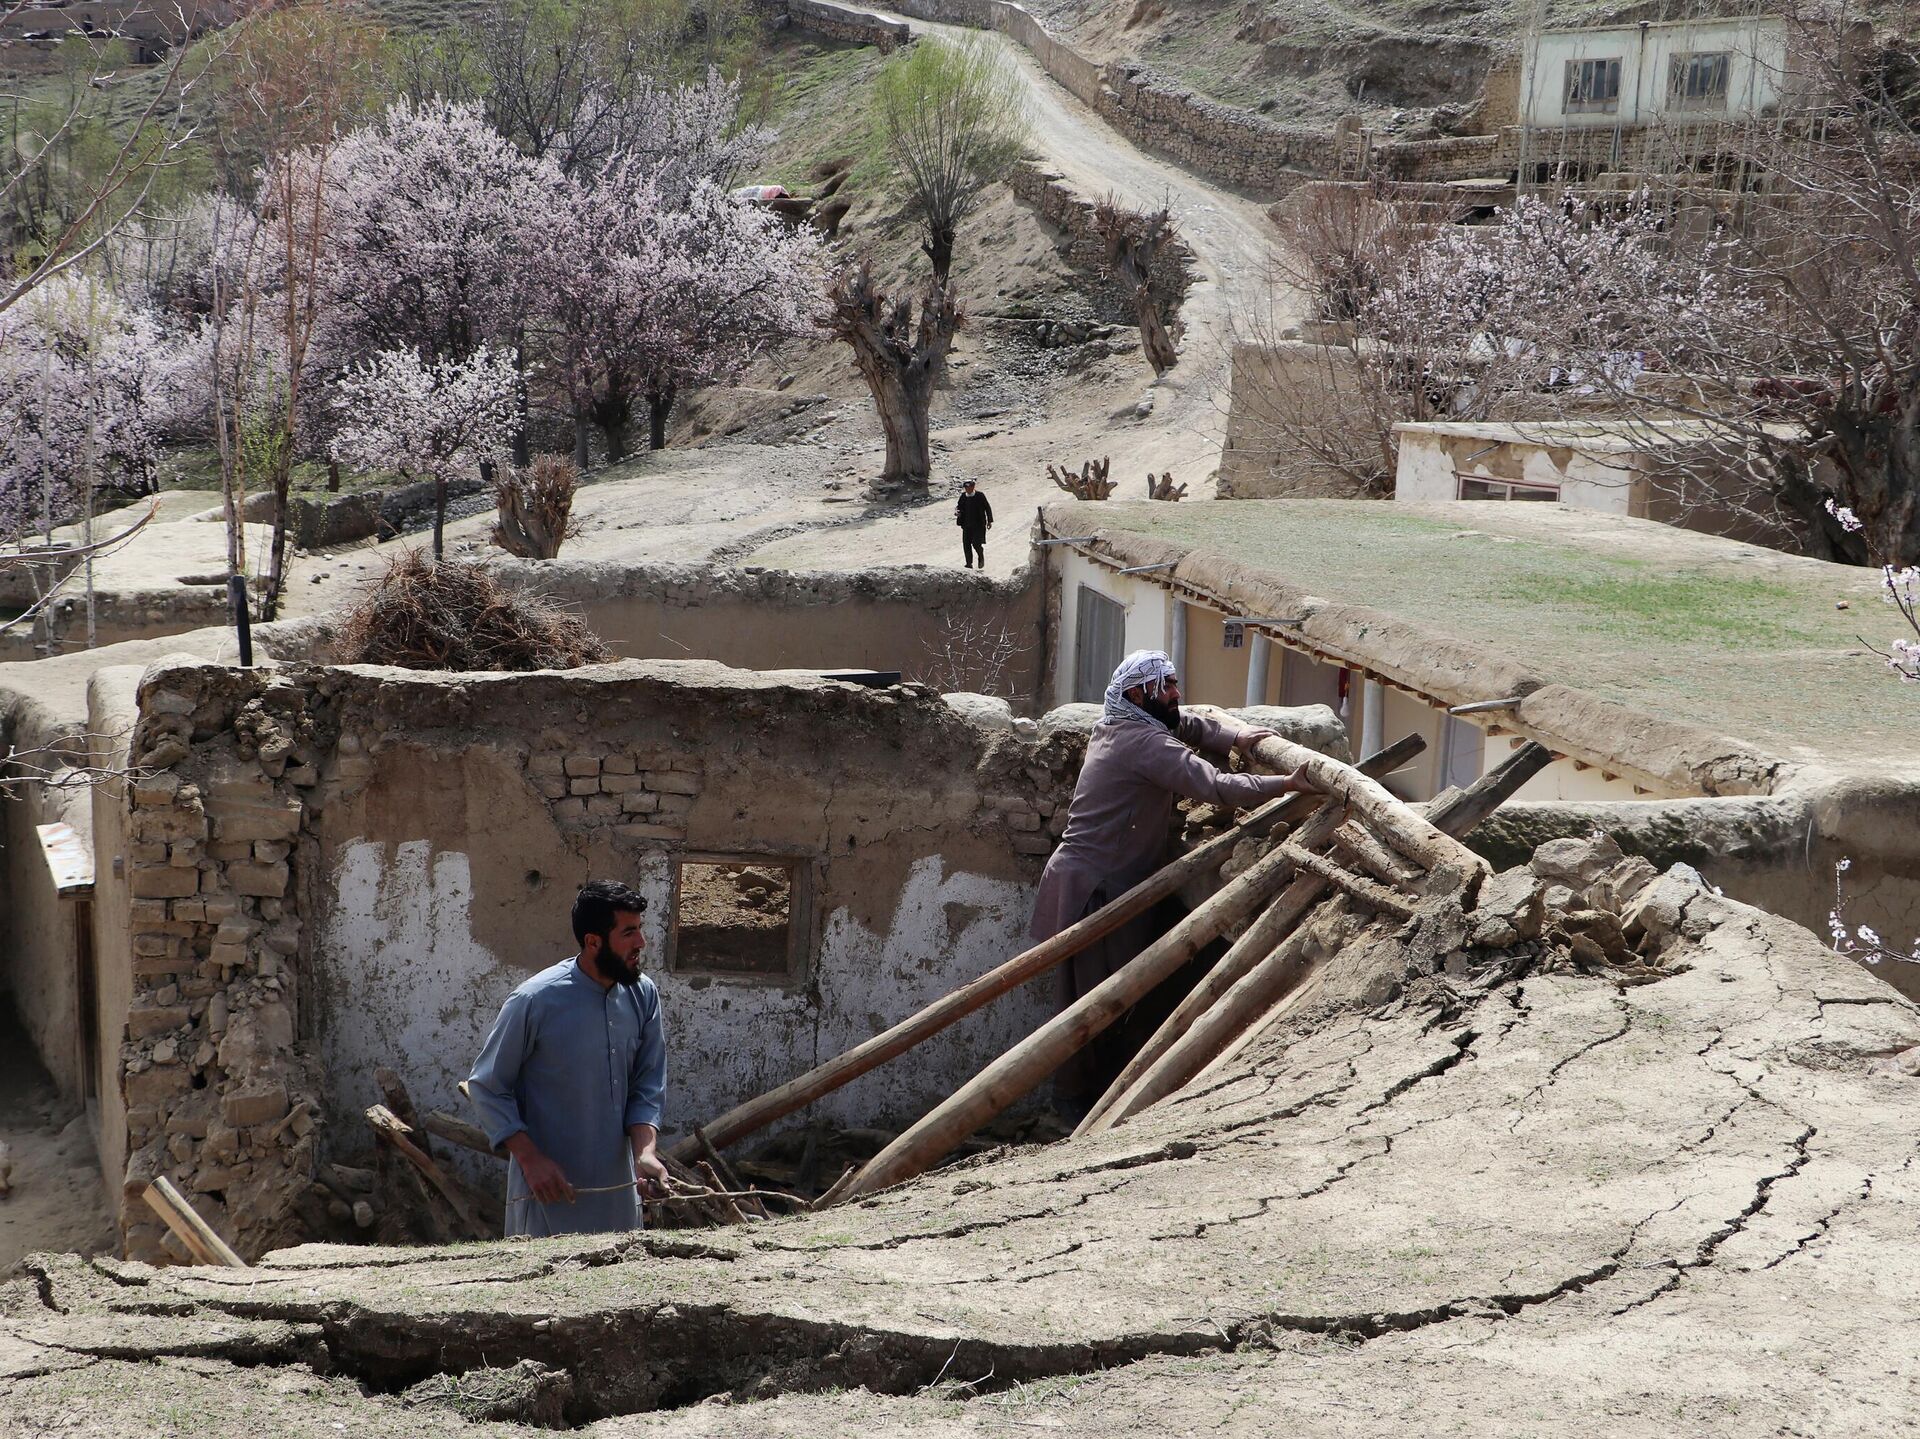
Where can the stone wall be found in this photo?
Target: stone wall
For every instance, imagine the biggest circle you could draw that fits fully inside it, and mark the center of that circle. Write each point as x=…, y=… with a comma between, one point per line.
x=1072, y=215
x=855, y=27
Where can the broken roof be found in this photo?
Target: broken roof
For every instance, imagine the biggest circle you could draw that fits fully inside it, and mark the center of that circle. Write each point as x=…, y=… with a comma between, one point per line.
x=1704, y=664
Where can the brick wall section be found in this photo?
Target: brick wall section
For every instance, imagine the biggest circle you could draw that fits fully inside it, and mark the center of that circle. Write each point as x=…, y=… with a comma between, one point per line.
x=218, y=1097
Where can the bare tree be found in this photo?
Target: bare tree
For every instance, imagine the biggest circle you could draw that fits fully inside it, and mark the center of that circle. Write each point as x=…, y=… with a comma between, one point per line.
x=536, y=505
x=295, y=76
x=952, y=115
x=899, y=358
x=973, y=654
x=1135, y=242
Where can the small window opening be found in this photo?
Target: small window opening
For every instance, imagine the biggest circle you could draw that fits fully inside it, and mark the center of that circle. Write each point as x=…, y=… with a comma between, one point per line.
x=1475, y=487
x=738, y=918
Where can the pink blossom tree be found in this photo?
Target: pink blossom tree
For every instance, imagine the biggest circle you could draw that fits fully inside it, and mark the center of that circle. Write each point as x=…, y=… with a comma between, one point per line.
x=438, y=230
x=645, y=295
x=428, y=419
x=84, y=395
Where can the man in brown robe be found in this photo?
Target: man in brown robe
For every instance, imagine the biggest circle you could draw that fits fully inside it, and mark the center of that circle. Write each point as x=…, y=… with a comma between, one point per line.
x=1140, y=760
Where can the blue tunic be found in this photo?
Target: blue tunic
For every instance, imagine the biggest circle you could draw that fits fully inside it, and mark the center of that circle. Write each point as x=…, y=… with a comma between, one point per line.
x=573, y=1065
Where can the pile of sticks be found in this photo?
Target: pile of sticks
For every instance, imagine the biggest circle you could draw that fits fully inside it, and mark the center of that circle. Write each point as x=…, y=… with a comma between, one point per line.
x=1353, y=845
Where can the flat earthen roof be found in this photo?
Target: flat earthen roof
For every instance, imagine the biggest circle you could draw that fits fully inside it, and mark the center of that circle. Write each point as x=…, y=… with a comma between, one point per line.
x=1636, y=641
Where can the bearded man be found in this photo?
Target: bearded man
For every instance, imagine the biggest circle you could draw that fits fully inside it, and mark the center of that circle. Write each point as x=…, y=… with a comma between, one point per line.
x=1140, y=760
x=572, y=1077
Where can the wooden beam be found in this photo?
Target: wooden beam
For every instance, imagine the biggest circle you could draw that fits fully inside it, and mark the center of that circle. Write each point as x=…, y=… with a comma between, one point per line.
x=1030, y=1061
x=1253, y=995
x=445, y=1126
x=206, y=1246
x=388, y=1127
x=1383, y=813
x=755, y=1114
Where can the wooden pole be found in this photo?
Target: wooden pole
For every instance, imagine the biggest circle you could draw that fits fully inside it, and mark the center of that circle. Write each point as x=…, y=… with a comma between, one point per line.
x=1188, y=1049
x=206, y=1246
x=1040, y=1053
x=457, y=1131
x=869, y=1054
x=1396, y=823
x=1255, y=945
x=389, y=1128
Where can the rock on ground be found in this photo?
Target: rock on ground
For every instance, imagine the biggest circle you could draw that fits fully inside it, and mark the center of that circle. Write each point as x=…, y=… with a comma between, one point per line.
x=1548, y=1205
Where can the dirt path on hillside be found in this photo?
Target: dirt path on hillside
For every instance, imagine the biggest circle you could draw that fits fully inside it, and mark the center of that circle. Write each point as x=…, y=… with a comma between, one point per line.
x=1230, y=237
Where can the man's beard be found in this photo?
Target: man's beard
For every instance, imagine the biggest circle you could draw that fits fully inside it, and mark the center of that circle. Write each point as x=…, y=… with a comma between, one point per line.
x=1165, y=711
x=622, y=971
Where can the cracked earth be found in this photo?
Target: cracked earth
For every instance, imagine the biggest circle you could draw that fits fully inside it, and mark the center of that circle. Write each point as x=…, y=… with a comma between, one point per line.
x=1683, y=1207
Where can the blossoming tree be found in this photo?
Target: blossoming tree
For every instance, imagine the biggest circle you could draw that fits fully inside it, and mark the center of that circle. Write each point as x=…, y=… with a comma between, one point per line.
x=427, y=419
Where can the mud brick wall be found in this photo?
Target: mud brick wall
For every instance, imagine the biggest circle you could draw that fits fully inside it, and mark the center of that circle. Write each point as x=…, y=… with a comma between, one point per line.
x=218, y=1097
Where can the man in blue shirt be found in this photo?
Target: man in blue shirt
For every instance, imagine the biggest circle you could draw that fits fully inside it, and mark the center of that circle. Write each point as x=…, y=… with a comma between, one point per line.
x=571, y=1078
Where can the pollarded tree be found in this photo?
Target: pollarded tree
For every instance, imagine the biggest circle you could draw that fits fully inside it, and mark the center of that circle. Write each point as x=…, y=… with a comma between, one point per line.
x=952, y=116
x=428, y=419
x=899, y=358
x=1135, y=240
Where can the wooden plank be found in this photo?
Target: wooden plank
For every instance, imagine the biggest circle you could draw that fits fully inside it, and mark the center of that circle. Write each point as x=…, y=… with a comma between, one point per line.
x=457, y=1131
x=209, y=1248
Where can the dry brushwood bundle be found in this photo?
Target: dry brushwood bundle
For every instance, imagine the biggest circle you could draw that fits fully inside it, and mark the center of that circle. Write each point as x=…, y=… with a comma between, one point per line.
x=455, y=615
x=1134, y=240
x=535, y=507
x=1161, y=487
x=1090, y=484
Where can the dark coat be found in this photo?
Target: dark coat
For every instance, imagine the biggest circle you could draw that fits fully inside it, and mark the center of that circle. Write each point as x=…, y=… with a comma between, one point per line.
x=973, y=514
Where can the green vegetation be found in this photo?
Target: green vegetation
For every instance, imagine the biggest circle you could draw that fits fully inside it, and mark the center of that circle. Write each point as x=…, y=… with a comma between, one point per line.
x=815, y=99
x=1736, y=640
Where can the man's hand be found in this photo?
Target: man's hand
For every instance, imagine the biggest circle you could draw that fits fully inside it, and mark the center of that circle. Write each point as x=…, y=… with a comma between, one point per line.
x=649, y=1174
x=1300, y=782
x=546, y=1181
x=1244, y=742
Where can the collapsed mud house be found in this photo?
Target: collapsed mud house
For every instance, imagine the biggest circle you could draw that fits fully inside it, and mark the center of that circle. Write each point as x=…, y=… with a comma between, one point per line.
x=322, y=871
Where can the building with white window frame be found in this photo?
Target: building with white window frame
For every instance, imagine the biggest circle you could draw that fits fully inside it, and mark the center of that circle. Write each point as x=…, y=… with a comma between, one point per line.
x=1626, y=76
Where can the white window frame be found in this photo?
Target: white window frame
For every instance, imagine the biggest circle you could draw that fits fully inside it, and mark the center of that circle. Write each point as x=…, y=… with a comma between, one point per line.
x=1532, y=493
x=1575, y=96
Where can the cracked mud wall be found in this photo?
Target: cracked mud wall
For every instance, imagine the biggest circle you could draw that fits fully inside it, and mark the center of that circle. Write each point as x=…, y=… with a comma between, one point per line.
x=460, y=815
x=929, y=623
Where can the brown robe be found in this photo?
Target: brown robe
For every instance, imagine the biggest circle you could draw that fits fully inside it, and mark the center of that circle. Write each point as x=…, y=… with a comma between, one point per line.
x=1119, y=827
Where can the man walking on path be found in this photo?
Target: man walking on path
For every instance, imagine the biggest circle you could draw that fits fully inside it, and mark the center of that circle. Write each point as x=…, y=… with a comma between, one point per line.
x=1119, y=825
x=975, y=517
x=571, y=1079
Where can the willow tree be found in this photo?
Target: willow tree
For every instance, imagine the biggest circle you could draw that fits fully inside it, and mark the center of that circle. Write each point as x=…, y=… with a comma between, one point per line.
x=952, y=116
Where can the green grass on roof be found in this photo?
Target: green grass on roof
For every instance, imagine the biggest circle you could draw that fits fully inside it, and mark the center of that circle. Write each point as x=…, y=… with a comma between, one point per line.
x=1734, y=639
